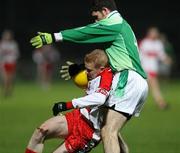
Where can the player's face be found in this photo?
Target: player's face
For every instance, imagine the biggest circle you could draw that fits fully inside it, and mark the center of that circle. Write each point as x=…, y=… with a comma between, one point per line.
x=153, y=33
x=98, y=15
x=92, y=72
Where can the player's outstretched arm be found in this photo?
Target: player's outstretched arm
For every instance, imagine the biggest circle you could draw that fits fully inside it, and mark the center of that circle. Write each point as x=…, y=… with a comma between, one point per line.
x=92, y=33
x=42, y=39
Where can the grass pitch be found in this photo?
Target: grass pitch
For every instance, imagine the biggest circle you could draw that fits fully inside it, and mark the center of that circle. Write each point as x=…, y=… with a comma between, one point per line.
x=155, y=131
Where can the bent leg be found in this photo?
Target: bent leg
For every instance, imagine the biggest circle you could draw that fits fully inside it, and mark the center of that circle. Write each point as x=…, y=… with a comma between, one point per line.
x=114, y=122
x=123, y=146
x=61, y=149
x=55, y=127
x=159, y=99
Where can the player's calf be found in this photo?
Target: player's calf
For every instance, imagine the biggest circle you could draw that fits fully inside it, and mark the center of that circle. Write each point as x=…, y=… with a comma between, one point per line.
x=36, y=142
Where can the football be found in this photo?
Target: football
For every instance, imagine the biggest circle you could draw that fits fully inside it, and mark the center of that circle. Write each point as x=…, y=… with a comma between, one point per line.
x=81, y=79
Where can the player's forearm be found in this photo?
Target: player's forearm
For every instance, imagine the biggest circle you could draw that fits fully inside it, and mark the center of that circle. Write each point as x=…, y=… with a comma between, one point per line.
x=90, y=100
x=95, y=99
x=93, y=33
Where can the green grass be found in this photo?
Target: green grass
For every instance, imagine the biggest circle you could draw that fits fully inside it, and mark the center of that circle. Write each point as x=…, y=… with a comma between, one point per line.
x=154, y=131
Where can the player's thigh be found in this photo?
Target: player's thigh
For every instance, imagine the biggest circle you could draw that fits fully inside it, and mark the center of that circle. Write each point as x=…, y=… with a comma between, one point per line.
x=114, y=121
x=55, y=127
x=128, y=91
x=61, y=149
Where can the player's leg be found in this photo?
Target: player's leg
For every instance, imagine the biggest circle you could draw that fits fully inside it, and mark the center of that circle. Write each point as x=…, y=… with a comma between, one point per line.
x=61, y=149
x=123, y=146
x=55, y=127
x=9, y=84
x=44, y=82
x=4, y=79
x=114, y=122
x=8, y=77
x=127, y=98
x=155, y=88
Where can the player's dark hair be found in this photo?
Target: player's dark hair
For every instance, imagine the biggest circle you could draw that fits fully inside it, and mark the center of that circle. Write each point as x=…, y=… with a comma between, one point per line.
x=98, y=5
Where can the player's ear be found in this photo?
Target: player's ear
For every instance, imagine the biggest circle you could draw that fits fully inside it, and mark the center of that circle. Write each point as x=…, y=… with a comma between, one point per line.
x=102, y=68
x=105, y=11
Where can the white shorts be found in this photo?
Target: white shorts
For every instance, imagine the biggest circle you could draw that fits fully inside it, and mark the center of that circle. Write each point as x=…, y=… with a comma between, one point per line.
x=128, y=92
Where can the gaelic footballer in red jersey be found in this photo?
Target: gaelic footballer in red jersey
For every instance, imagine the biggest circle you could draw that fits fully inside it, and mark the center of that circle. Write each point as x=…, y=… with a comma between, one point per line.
x=152, y=52
x=9, y=53
x=79, y=128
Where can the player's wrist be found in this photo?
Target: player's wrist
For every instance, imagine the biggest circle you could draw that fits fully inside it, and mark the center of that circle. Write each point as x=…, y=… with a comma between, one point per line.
x=53, y=37
x=69, y=105
x=57, y=37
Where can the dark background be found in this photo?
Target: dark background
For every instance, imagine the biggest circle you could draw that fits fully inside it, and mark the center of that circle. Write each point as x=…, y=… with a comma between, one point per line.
x=25, y=18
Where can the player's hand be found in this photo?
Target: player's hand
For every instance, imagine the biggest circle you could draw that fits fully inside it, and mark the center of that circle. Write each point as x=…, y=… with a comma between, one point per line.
x=64, y=72
x=41, y=39
x=70, y=70
x=59, y=107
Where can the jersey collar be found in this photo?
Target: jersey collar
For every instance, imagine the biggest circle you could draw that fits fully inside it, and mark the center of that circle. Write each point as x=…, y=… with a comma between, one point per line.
x=113, y=13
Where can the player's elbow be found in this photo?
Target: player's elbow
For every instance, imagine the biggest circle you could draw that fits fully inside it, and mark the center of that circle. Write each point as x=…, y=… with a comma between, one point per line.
x=101, y=98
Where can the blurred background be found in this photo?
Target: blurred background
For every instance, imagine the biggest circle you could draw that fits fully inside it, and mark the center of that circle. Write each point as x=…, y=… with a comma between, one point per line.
x=38, y=84
x=26, y=18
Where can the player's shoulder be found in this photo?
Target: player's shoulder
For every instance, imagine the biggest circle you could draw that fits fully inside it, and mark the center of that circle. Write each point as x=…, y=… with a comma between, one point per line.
x=145, y=41
x=159, y=42
x=106, y=73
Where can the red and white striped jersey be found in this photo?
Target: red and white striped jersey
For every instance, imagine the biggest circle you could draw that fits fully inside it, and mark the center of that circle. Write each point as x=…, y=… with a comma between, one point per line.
x=97, y=93
x=151, y=51
x=9, y=51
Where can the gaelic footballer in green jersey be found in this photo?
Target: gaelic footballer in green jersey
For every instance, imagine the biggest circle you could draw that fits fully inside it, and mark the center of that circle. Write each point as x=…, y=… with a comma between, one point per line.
x=122, y=53
x=129, y=86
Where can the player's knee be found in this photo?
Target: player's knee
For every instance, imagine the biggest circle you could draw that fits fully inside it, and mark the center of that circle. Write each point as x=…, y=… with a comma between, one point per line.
x=108, y=132
x=40, y=134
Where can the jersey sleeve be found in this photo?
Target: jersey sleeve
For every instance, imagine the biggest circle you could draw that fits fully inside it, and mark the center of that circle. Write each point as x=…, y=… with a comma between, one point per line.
x=95, y=99
x=98, y=97
x=92, y=33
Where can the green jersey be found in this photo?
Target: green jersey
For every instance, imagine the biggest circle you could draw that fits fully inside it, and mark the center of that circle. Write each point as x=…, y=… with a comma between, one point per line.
x=123, y=51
